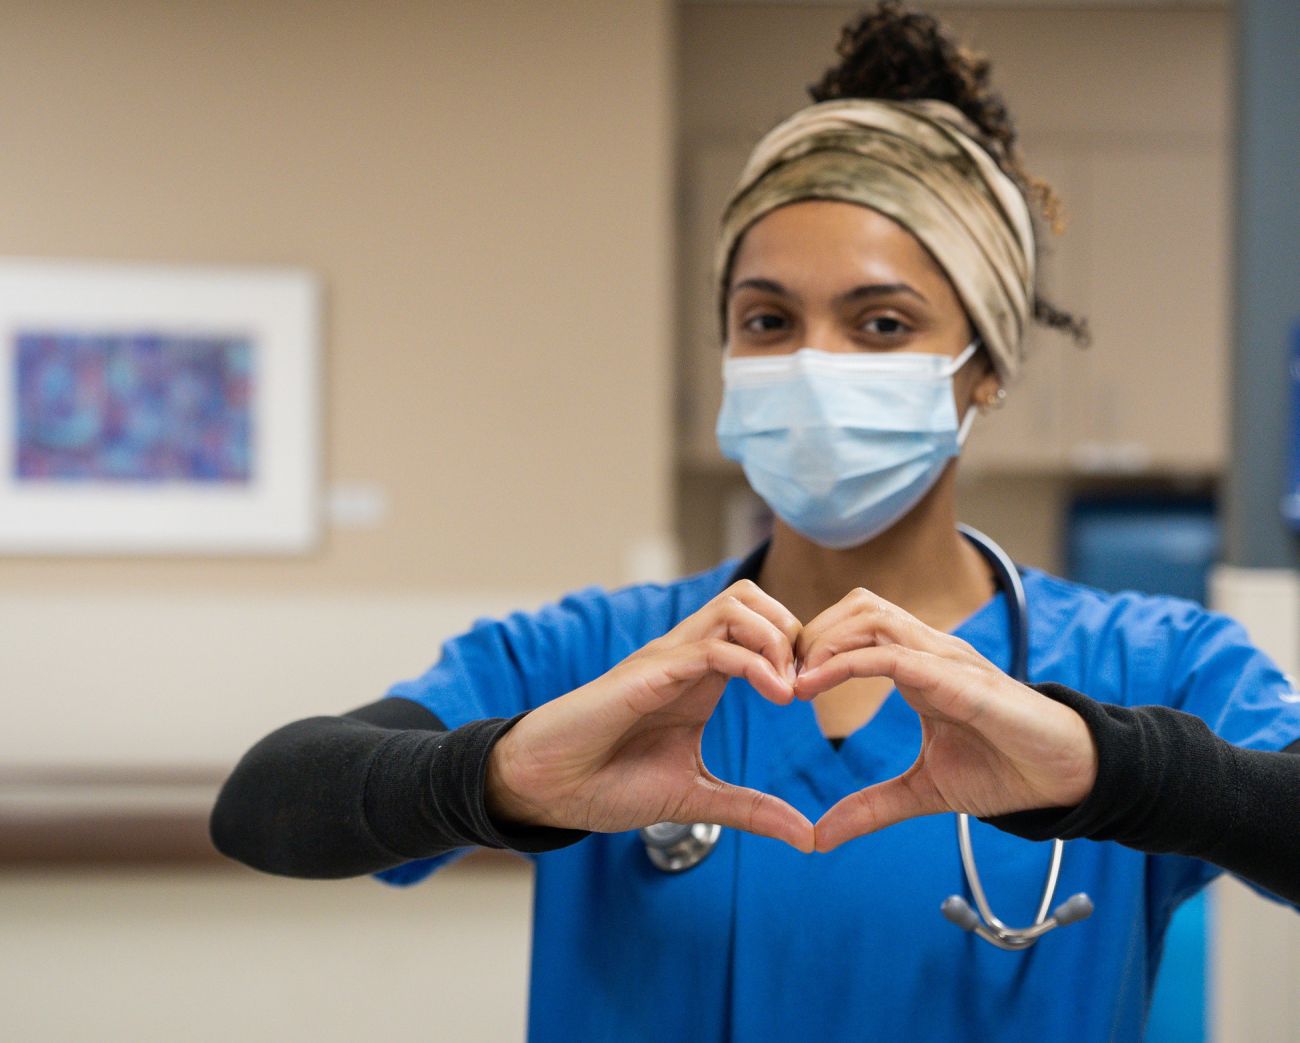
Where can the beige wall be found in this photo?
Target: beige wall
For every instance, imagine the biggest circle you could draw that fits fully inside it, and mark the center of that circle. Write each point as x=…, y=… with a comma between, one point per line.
x=485, y=188
x=140, y=956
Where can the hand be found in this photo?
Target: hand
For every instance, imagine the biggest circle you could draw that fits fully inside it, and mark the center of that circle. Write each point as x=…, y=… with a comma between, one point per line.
x=623, y=751
x=989, y=744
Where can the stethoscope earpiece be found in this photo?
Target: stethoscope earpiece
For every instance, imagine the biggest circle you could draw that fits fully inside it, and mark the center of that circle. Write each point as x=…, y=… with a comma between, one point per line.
x=958, y=911
x=1076, y=907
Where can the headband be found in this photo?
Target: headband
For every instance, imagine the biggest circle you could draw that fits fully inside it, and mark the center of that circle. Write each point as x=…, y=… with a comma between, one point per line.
x=918, y=163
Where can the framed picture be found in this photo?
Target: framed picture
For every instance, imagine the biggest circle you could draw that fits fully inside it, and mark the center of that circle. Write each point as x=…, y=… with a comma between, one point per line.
x=158, y=410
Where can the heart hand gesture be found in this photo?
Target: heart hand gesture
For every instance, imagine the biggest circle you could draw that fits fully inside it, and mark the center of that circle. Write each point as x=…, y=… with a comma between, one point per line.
x=623, y=751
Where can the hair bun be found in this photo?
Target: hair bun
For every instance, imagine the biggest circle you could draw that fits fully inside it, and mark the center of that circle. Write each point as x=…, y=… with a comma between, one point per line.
x=890, y=53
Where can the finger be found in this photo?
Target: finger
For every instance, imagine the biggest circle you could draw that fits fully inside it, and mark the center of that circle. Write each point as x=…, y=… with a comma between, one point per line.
x=695, y=660
x=855, y=621
x=748, y=593
x=875, y=808
x=723, y=657
x=954, y=690
x=756, y=598
x=861, y=619
x=824, y=622
x=645, y=684
x=739, y=807
x=736, y=621
x=878, y=661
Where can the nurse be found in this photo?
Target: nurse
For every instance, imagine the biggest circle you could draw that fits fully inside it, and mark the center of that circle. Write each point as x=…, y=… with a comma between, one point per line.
x=826, y=699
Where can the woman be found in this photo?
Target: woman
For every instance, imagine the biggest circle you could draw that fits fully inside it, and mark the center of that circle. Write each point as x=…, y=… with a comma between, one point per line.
x=876, y=275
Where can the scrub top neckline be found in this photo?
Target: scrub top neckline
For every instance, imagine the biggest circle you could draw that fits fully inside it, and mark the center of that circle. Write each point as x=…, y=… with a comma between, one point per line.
x=883, y=737
x=874, y=750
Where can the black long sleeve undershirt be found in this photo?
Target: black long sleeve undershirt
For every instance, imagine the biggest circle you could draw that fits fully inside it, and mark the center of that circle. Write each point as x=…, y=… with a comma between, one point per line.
x=387, y=783
x=330, y=797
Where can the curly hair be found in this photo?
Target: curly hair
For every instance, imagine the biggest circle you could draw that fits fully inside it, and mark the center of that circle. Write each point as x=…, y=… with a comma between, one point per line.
x=895, y=54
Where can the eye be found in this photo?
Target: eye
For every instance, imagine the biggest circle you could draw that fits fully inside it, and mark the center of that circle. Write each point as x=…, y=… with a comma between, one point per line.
x=764, y=322
x=885, y=326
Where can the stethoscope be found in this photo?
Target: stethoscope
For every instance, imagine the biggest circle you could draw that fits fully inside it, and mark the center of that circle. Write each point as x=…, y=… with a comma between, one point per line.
x=675, y=847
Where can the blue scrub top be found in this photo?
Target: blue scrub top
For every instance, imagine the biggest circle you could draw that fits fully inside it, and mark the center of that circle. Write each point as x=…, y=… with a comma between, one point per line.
x=760, y=942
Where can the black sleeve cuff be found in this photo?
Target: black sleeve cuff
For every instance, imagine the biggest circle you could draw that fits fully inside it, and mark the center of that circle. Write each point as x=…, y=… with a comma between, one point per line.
x=1062, y=822
x=1163, y=781
x=443, y=803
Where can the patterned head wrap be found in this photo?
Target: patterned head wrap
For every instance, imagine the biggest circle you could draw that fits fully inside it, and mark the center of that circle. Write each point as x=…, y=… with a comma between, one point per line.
x=918, y=163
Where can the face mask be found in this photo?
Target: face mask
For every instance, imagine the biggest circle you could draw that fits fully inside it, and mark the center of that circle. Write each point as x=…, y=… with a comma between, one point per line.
x=841, y=445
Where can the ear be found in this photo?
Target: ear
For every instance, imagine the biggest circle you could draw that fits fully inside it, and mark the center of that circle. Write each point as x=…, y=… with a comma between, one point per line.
x=987, y=392
x=985, y=386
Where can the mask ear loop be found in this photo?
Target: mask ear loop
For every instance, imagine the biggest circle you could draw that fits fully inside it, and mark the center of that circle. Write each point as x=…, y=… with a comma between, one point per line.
x=966, y=422
x=954, y=367
x=950, y=371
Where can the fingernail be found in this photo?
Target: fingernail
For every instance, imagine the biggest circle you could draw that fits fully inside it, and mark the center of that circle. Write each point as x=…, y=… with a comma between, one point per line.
x=791, y=674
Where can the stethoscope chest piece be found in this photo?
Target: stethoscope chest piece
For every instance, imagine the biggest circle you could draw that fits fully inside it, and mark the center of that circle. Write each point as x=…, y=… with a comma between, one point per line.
x=674, y=846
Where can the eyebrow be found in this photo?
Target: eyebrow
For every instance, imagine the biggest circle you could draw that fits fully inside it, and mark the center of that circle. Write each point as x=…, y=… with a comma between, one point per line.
x=863, y=292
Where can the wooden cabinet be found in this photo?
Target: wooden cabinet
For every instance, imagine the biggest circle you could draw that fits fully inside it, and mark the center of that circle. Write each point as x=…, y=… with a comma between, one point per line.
x=1146, y=260
x=1153, y=394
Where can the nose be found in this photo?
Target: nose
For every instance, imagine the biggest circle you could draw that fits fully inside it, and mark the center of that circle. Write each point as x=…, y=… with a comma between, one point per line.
x=822, y=334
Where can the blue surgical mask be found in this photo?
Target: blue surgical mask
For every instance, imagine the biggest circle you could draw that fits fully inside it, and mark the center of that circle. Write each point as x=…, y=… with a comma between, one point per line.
x=841, y=445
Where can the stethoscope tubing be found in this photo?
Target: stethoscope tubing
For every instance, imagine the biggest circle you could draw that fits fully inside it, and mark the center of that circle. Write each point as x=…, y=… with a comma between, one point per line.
x=674, y=848
x=1079, y=906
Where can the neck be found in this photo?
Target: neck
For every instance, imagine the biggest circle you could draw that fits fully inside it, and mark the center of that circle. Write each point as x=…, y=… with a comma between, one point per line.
x=922, y=564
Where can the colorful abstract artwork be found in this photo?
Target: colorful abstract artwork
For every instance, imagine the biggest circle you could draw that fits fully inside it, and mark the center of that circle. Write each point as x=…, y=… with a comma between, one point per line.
x=133, y=408
x=159, y=409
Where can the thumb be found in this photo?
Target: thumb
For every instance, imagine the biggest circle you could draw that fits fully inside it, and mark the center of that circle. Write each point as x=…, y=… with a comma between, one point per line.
x=876, y=807
x=754, y=811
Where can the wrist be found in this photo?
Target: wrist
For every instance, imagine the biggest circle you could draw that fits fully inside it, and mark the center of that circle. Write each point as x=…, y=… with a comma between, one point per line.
x=504, y=805
x=1090, y=785
x=1080, y=778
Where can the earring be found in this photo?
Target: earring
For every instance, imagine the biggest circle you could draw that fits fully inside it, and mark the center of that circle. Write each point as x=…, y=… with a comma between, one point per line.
x=996, y=400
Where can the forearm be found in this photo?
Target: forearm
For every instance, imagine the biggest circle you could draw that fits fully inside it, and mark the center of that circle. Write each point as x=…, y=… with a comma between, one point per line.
x=331, y=797
x=1166, y=784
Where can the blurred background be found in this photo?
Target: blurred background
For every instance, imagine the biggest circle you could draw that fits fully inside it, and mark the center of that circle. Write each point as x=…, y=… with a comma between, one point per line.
x=509, y=208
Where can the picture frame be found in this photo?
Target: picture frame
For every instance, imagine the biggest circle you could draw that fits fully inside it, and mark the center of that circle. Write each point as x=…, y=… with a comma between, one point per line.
x=158, y=409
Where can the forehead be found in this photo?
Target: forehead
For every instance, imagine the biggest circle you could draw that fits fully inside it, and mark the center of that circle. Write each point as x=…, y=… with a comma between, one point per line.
x=816, y=242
